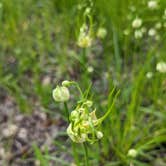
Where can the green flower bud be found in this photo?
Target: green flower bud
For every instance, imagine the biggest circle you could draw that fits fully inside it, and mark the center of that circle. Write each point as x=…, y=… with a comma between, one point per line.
x=61, y=94
x=66, y=83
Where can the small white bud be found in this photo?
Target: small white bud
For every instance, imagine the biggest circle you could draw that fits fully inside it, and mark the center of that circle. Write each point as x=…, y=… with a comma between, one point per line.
x=137, y=23
x=161, y=67
x=61, y=94
x=152, y=4
x=90, y=69
x=87, y=11
x=152, y=32
x=101, y=33
x=99, y=134
x=149, y=75
x=132, y=153
x=138, y=34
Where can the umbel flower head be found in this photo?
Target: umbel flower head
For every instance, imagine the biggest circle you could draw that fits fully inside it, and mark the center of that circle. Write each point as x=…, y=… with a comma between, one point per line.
x=84, y=124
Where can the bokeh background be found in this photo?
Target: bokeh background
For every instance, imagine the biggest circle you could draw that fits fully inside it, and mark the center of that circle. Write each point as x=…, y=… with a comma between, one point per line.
x=39, y=49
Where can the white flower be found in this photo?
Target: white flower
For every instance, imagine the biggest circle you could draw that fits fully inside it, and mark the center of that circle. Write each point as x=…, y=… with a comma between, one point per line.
x=152, y=4
x=152, y=32
x=90, y=69
x=138, y=34
x=132, y=153
x=61, y=94
x=101, y=33
x=137, y=23
x=99, y=134
x=161, y=67
x=87, y=11
x=149, y=75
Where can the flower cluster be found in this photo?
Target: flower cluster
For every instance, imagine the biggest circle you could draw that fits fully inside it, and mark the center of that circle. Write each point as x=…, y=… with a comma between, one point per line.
x=83, y=124
x=84, y=39
x=140, y=25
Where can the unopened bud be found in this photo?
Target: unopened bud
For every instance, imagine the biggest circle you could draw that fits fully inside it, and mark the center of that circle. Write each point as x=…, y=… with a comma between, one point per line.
x=132, y=153
x=99, y=134
x=61, y=94
x=66, y=83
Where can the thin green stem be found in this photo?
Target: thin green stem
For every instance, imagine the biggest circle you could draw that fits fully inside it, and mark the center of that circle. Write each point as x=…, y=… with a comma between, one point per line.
x=79, y=89
x=86, y=154
x=75, y=155
x=109, y=110
x=84, y=56
x=66, y=111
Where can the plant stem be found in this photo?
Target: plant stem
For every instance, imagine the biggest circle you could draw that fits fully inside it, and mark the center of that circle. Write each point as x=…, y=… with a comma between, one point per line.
x=66, y=111
x=73, y=144
x=75, y=155
x=86, y=154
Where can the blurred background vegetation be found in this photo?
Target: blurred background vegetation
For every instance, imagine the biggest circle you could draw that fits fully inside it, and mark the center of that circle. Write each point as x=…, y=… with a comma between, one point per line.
x=38, y=49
